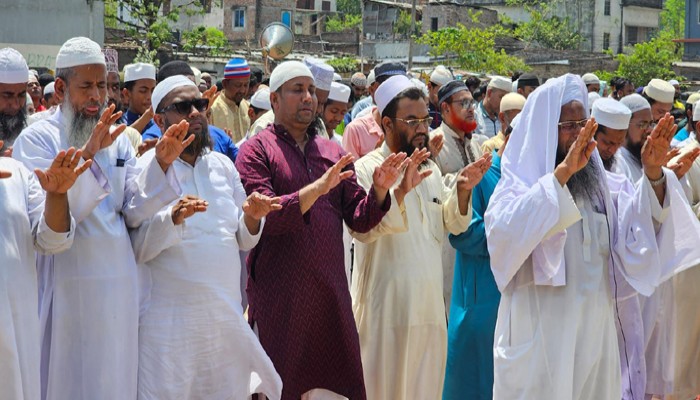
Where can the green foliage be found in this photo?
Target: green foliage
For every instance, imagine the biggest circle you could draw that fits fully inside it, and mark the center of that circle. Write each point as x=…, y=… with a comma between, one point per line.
x=672, y=23
x=473, y=48
x=402, y=26
x=344, y=64
x=349, y=7
x=545, y=27
x=645, y=61
x=211, y=41
x=337, y=24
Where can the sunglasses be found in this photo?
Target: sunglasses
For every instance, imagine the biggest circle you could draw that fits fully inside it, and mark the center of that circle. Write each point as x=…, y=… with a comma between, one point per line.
x=185, y=107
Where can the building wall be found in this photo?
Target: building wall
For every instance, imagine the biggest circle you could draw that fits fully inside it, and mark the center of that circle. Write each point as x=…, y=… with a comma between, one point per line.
x=448, y=15
x=271, y=11
x=236, y=33
x=212, y=18
x=378, y=21
x=692, y=29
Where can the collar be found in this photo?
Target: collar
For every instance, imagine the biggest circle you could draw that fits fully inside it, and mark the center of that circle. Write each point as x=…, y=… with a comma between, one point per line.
x=230, y=103
x=446, y=128
x=282, y=132
x=484, y=112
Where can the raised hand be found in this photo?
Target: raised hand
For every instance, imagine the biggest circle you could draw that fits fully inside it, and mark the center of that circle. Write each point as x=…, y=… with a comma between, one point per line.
x=4, y=174
x=435, y=145
x=187, y=207
x=579, y=153
x=682, y=165
x=173, y=142
x=334, y=175
x=63, y=172
x=411, y=176
x=143, y=120
x=672, y=154
x=229, y=133
x=472, y=174
x=6, y=152
x=101, y=137
x=388, y=173
x=257, y=205
x=146, y=145
x=656, y=147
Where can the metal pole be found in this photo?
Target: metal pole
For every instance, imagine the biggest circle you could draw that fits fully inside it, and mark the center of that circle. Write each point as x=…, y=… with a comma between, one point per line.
x=410, y=37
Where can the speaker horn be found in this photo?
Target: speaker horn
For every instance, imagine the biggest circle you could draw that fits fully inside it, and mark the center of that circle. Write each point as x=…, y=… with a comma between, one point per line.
x=277, y=41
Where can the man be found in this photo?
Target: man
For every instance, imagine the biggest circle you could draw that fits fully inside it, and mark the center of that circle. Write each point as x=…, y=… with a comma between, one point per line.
x=527, y=83
x=621, y=88
x=50, y=101
x=363, y=133
x=473, y=83
x=659, y=94
x=139, y=82
x=297, y=289
x=358, y=84
x=511, y=105
x=366, y=102
x=335, y=110
x=688, y=130
x=677, y=103
x=13, y=97
x=259, y=104
x=230, y=109
x=397, y=281
x=613, y=120
x=555, y=334
x=438, y=77
x=323, y=76
x=172, y=250
x=34, y=90
x=114, y=97
x=592, y=82
x=88, y=302
x=488, y=109
x=256, y=79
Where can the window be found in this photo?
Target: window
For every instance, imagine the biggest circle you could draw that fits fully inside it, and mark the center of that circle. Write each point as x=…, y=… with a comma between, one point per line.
x=239, y=18
x=433, y=24
x=287, y=18
x=606, y=8
x=325, y=6
x=606, y=41
x=631, y=35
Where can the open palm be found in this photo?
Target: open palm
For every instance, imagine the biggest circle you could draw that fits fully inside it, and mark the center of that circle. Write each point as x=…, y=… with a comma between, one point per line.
x=63, y=172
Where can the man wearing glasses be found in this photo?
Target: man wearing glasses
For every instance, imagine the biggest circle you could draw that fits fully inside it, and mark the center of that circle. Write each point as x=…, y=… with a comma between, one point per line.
x=397, y=281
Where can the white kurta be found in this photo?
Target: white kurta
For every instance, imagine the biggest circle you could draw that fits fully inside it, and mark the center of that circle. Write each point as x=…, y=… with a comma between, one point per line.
x=193, y=340
x=397, y=288
x=89, y=294
x=23, y=230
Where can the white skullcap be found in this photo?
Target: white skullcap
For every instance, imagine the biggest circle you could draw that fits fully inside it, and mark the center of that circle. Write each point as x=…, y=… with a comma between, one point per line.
x=79, y=51
x=660, y=90
x=696, y=111
x=590, y=79
x=635, y=102
x=134, y=72
x=512, y=101
x=339, y=92
x=261, y=99
x=420, y=85
x=693, y=98
x=197, y=75
x=498, y=82
x=48, y=89
x=337, y=77
x=13, y=67
x=389, y=89
x=322, y=73
x=287, y=71
x=612, y=114
x=370, y=78
x=168, y=85
x=592, y=98
x=441, y=75
x=674, y=82
x=32, y=78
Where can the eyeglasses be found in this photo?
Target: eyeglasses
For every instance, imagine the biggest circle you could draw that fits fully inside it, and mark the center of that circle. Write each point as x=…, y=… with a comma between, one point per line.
x=644, y=125
x=571, y=125
x=415, y=123
x=33, y=84
x=466, y=103
x=185, y=107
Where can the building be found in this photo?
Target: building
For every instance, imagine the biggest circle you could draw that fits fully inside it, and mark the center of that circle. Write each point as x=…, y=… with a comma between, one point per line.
x=604, y=24
x=448, y=13
x=692, y=30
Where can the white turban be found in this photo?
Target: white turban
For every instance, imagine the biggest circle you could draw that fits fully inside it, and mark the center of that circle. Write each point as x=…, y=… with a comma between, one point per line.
x=612, y=114
x=389, y=89
x=498, y=82
x=339, y=92
x=79, y=51
x=287, y=71
x=134, y=72
x=635, y=102
x=660, y=90
x=49, y=89
x=322, y=73
x=13, y=68
x=168, y=85
x=441, y=75
x=261, y=99
x=512, y=101
x=590, y=79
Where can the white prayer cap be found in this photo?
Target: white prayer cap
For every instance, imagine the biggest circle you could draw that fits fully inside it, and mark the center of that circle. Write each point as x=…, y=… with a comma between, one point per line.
x=696, y=111
x=612, y=114
x=441, y=75
x=590, y=79
x=321, y=72
x=498, y=82
x=339, y=92
x=261, y=99
x=592, y=98
x=660, y=90
x=336, y=78
x=197, y=75
x=79, y=51
x=370, y=78
x=420, y=85
x=49, y=89
x=693, y=98
x=389, y=89
x=134, y=72
x=674, y=82
x=168, y=85
x=512, y=101
x=287, y=71
x=32, y=78
x=13, y=68
x=635, y=102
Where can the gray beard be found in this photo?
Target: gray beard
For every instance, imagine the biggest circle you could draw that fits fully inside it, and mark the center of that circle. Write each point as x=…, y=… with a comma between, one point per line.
x=78, y=126
x=584, y=185
x=11, y=126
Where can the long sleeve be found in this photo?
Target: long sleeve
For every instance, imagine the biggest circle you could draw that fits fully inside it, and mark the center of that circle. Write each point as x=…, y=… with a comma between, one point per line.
x=473, y=241
x=46, y=240
x=246, y=240
x=155, y=235
x=350, y=141
x=455, y=223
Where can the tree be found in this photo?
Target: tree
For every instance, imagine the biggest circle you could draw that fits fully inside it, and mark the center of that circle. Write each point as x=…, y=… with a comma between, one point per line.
x=203, y=40
x=672, y=23
x=646, y=61
x=349, y=7
x=344, y=64
x=338, y=24
x=545, y=27
x=402, y=26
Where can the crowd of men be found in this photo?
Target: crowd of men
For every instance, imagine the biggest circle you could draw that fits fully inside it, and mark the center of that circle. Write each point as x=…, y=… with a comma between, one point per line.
x=297, y=236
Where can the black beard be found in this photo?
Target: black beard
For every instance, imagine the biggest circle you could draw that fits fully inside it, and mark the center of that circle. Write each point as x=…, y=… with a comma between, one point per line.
x=408, y=148
x=202, y=140
x=583, y=185
x=11, y=126
x=636, y=150
x=609, y=163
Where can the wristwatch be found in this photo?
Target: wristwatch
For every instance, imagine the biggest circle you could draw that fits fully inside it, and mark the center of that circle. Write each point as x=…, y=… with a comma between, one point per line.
x=659, y=181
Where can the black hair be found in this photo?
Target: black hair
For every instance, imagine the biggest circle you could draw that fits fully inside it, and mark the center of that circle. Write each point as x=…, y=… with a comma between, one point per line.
x=47, y=97
x=516, y=76
x=649, y=99
x=620, y=83
x=173, y=68
x=253, y=81
x=412, y=93
x=129, y=85
x=257, y=110
x=257, y=73
x=473, y=81
x=45, y=79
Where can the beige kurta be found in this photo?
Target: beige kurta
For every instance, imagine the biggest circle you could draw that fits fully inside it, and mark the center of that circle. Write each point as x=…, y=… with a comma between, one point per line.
x=225, y=114
x=397, y=288
x=493, y=143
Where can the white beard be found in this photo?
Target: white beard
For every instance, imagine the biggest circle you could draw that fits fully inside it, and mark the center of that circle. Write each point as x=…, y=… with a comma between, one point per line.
x=78, y=127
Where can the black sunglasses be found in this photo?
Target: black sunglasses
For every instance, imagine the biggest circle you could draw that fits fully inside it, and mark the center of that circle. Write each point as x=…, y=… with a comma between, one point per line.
x=185, y=107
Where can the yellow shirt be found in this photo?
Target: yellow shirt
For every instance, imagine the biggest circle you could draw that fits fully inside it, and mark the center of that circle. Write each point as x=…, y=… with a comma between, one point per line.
x=494, y=143
x=225, y=114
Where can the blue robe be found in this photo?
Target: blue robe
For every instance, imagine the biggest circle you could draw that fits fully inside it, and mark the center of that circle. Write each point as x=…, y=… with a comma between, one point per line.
x=474, y=306
x=220, y=141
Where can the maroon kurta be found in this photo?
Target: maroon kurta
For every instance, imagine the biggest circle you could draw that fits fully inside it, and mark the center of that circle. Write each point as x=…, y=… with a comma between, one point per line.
x=297, y=288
